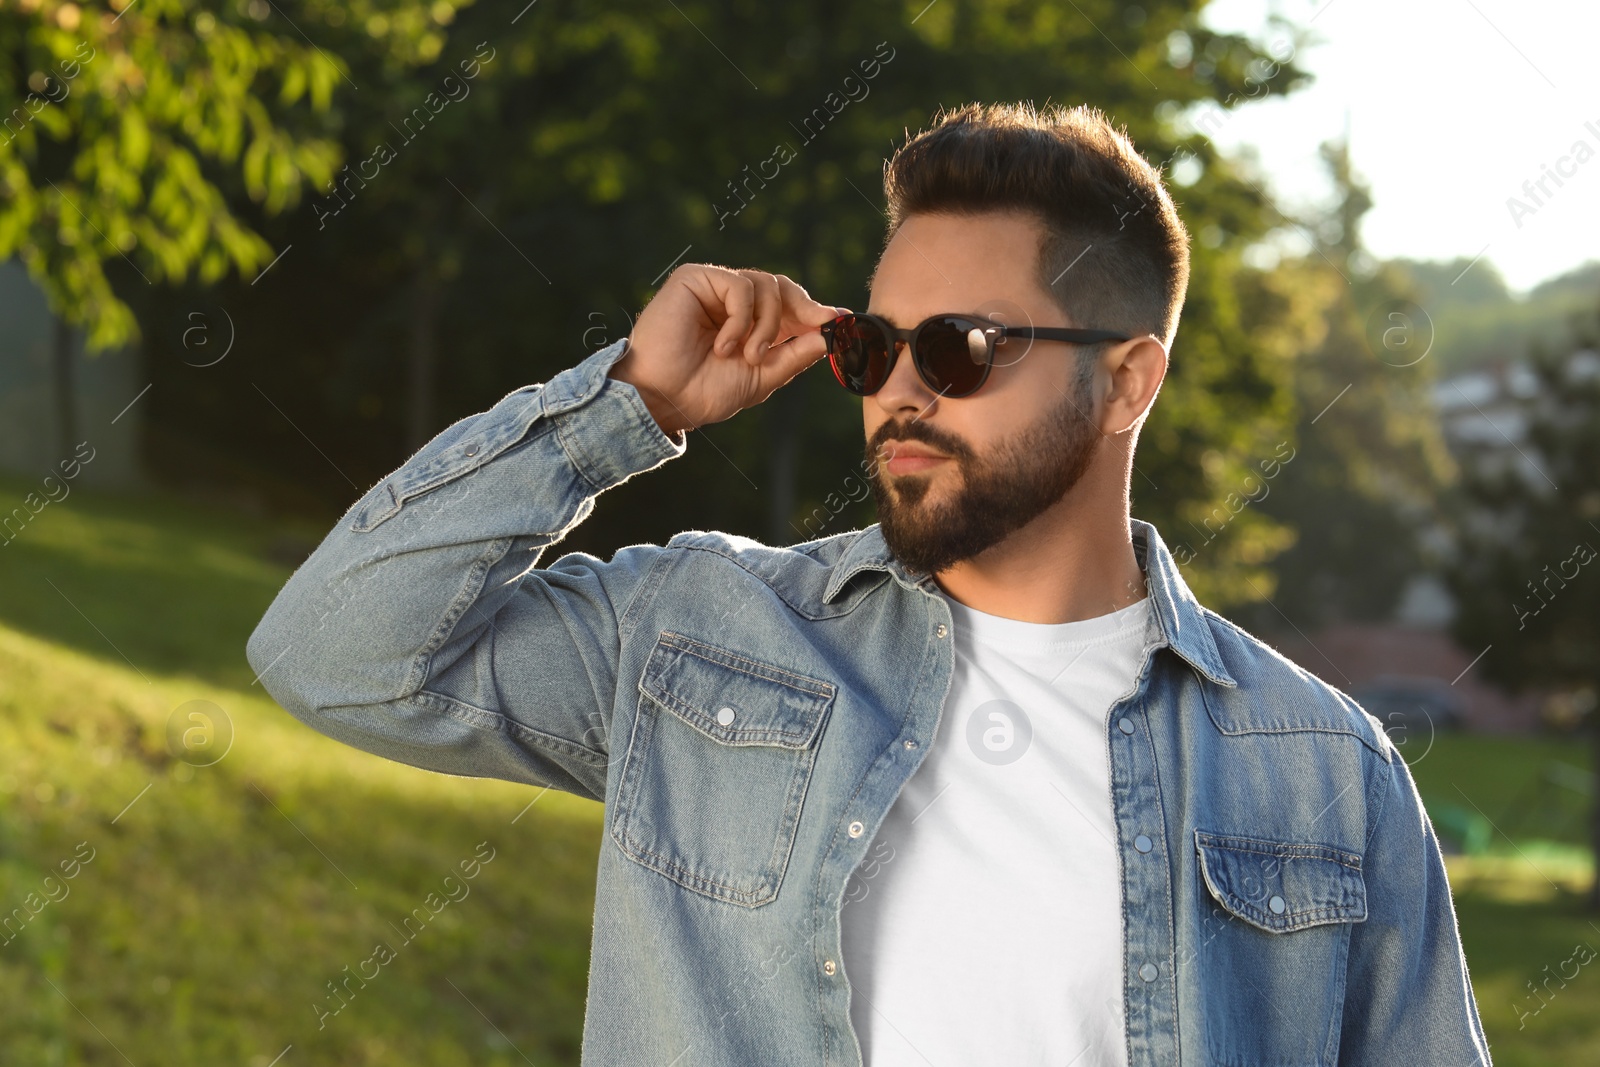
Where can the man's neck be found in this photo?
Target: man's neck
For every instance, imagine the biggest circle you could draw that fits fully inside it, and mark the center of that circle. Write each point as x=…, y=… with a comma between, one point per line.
x=1074, y=562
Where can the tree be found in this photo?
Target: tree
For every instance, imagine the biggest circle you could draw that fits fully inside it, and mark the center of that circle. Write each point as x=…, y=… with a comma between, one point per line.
x=603, y=144
x=111, y=123
x=1367, y=460
x=1524, y=572
x=669, y=143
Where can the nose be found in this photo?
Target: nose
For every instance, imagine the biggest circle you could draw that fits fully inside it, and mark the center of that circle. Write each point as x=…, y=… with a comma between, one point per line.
x=905, y=393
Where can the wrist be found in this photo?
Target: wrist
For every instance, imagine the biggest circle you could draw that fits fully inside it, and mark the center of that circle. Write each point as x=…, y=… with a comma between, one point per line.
x=661, y=409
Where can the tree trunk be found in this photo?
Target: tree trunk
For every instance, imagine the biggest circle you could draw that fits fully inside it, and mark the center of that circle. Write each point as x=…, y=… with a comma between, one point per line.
x=783, y=411
x=420, y=408
x=65, y=402
x=1594, y=830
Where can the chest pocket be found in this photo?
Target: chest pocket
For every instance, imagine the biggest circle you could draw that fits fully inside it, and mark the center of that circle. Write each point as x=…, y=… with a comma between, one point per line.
x=1271, y=945
x=717, y=768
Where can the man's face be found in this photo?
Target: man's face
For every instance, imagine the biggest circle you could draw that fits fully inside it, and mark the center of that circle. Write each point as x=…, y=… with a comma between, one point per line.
x=1011, y=450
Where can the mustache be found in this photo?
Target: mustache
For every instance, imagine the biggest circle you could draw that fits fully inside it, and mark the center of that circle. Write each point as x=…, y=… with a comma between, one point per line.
x=913, y=430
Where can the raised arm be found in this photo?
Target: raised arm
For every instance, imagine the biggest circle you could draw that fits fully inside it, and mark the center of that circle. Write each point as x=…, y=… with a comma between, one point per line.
x=422, y=629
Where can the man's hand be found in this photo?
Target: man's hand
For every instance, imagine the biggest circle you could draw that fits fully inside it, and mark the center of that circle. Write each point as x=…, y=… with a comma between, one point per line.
x=713, y=342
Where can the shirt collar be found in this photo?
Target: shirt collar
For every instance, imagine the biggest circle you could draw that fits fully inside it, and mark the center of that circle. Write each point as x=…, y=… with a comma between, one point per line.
x=1182, y=620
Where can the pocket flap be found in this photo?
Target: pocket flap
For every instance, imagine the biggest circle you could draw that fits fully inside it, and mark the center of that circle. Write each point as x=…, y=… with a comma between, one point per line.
x=734, y=699
x=1282, y=886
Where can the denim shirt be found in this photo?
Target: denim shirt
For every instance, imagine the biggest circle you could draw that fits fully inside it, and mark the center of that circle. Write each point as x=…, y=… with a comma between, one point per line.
x=748, y=714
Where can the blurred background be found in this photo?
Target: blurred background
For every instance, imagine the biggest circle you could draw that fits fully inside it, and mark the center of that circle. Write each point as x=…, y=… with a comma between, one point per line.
x=257, y=252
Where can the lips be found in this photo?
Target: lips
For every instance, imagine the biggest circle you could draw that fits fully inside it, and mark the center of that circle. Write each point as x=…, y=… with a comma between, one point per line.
x=905, y=457
x=911, y=450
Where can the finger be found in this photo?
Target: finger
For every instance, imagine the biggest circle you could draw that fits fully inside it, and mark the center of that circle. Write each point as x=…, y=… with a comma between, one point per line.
x=768, y=316
x=737, y=295
x=799, y=310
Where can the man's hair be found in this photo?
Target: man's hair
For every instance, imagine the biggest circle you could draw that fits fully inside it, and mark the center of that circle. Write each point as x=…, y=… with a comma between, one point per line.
x=1114, y=253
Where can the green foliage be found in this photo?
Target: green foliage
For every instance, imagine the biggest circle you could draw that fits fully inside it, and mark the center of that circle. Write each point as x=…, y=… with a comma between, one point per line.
x=1527, y=541
x=654, y=135
x=1528, y=535
x=1220, y=416
x=600, y=144
x=1479, y=322
x=121, y=130
x=1369, y=460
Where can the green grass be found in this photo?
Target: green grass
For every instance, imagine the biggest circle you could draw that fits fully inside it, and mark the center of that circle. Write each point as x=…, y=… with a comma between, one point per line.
x=1522, y=901
x=217, y=907
x=221, y=900
x=1525, y=788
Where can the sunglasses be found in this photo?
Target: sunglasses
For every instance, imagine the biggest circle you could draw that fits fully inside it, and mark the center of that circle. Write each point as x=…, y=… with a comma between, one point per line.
x=952, y=353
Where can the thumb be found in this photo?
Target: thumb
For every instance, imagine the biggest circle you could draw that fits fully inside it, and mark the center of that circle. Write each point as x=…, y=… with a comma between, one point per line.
x=803, y=344
x=783, y=361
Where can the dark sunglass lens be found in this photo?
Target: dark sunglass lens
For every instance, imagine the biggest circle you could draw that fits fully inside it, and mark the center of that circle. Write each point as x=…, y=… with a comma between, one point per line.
x=953, y=355
x=860, y=355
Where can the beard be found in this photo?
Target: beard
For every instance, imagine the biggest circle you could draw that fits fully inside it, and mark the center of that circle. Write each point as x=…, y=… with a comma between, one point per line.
x=998, y=493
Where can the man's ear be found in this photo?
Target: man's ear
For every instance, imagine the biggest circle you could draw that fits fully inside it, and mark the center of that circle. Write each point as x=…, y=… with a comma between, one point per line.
x=1133, y=372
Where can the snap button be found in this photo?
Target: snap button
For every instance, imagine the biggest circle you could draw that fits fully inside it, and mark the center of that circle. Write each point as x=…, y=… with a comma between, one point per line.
x=725, y=716
x=856, y=829
x=828, y=967
x=472, y=449
x=1125, y=725
x=910, y=743
x=1143, y=843
x=940, y=631
x=1277, y=905
x=1148, y=972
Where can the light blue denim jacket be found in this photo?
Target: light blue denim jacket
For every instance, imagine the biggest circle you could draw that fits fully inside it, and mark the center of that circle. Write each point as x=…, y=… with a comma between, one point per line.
x=748, y=714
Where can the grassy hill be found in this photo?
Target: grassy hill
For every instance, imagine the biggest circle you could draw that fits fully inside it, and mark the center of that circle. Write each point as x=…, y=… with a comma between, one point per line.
x=220, y=901
x=211, y=906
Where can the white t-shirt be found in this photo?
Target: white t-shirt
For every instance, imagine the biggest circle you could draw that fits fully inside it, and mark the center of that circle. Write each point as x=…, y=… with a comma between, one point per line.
x=984, y=925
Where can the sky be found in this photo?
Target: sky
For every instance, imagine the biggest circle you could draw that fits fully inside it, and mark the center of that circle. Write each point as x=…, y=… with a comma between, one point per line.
x=1452, y=106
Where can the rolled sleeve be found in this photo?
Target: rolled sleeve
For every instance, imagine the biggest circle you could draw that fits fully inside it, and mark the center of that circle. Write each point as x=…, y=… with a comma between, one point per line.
x=421, y=628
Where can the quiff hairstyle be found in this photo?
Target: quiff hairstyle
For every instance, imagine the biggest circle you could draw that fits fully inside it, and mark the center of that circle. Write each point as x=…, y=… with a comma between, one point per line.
x=1113, y=254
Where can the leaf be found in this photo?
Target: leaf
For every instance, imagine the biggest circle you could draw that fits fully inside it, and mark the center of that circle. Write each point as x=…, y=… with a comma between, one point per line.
x=294, y=83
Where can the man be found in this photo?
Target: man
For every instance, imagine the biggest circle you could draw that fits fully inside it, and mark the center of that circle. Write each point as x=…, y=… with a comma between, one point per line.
x=980, y=784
